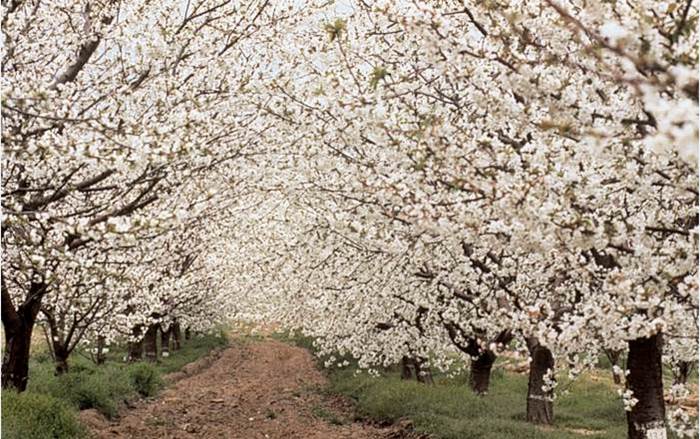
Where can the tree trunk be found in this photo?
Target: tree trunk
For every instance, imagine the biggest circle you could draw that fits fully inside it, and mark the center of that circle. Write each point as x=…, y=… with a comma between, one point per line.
x=406, y=368
x=188, y=334
x=682, y=371
x=165, y=342
x=100, y=354
x=15, y=361
x=18, y=324
x=150, y=342
x=540, y=407
x=136, y=347
x=413, y=367
x=480, y=372
x=423, y=374
x=646, y=420
x=481, y=360
x=60, y=355
x=614, y=358
x=177, y=336
x=59, y=346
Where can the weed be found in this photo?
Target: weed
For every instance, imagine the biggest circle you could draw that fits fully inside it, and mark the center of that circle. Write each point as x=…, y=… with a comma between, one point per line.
x=30, y=415
x=327, y=415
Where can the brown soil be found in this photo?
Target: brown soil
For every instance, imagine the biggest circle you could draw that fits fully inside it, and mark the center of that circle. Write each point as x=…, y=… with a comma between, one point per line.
x=259, y=389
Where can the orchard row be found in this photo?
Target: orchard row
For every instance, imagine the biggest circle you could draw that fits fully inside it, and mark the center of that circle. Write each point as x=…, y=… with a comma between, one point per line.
x=415, y=182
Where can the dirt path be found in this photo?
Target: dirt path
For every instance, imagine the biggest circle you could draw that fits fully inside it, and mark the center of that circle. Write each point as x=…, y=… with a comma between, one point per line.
x=259, y=389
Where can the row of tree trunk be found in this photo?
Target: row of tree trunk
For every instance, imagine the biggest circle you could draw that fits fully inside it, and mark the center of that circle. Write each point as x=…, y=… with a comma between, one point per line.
x=18, y=335
x=147, y=347
x=646, y=420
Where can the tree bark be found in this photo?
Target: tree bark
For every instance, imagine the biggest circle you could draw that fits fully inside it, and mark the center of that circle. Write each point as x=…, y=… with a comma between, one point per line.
x=150, y=342
x=423, y=374
x=100, y=355
x=480, y=372
x=165, y=342
x=413, y=367
x=682, y=371
x=540, y=407
x=647, y=418
x=482, y=360
x=59, y=345
x=177, y=336
x=60, y=354
x=15, y=362
x=18, y=324
x=136, y=347
x=406, y=368
x=614, y=358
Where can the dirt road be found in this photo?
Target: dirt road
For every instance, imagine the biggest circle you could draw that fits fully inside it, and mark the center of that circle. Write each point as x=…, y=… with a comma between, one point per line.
x=255, y=389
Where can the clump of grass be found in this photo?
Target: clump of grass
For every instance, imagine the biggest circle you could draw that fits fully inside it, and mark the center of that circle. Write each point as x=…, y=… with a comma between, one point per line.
x=30, y=415
x=145, y=379
x=85, y=386
x=106, y=387
x=327, y=415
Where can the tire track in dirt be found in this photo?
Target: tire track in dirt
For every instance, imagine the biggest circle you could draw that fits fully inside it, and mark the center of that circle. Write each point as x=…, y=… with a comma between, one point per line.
x=259, y=389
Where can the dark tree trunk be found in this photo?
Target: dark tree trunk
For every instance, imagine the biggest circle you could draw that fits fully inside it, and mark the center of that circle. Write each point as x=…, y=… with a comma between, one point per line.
x=614, y=358
x=18, y=324
x=150, y=343
x=188, y=334
x=425, y=376
x=540, y=407
x=480, y=372
x=482, y=360
x=135, y=351
x=165, y=342
x=15, y=362
x=414, y=367
x=59, y=346
x=100, y=355
x=423, y=373
x=60, y=355
x=682, y=371
x=136, y=347
x=646, y=420
x=177, y=336
x=406, y=368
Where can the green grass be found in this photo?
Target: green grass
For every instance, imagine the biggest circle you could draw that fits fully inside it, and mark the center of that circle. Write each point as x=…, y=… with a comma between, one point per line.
x=192, y=349
x=88, y=386
x=107, y=386
x=328, y=416
x=450, y=410
x=85, y=386
x=145, y=379
x=30, y=415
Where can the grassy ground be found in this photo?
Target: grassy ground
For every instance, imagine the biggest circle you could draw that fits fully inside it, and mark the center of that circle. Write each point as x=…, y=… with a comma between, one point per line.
x=449, y=410
x=49, y=406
